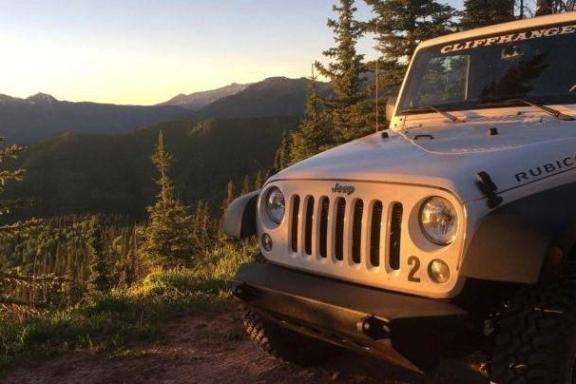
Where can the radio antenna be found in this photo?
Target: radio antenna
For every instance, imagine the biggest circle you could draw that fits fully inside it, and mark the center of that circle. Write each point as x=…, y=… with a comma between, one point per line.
x=376, y=78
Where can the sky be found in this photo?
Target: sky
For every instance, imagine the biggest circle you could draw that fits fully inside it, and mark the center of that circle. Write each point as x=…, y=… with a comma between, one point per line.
x=147, y=51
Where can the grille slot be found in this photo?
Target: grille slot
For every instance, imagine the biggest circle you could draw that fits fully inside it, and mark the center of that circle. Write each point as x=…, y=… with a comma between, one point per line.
x=339, y=235
x=324, y=211
x=395, y=236
x=357, y=231
x=375, y=230
x=295, y=218
x=308, y=226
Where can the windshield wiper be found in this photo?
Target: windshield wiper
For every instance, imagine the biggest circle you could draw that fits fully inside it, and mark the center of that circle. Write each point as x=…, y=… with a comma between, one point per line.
x=448, y=115
x=551, y=111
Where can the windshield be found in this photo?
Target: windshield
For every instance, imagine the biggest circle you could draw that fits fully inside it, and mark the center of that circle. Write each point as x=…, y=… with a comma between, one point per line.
x=536, y=64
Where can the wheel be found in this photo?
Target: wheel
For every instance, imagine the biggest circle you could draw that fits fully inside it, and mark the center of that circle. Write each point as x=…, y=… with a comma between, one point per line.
x=535, y=341
x=286, y=345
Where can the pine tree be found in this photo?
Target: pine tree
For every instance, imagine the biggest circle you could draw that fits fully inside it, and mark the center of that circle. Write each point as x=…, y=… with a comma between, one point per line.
x=548, y=7
x=399, y=26
x=169, y=234
x=100, y=268
x=230, y=194
x=246, y=185
x=479, y=13
x=8, y=152
x=314, y=133
x=346, y=107
x=259, y=181
x=283, y=156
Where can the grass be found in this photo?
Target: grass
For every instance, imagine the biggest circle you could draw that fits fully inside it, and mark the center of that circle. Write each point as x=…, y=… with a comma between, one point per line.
x=111, y=320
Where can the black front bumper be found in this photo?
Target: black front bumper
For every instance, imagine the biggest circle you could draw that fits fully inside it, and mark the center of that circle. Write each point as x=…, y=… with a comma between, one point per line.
x=405, y=330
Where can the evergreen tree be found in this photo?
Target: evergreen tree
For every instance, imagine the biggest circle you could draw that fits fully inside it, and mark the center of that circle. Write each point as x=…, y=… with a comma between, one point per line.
x=204, y=232
x=345, y=106
x=246, y=185
x=169, y=235
x=259, y=181
x=283, y=157
x=230, y=195
x=400, y=25
x=548, y=7
x=479, y=13
x=101, y=270
x=314, y=133
x=8, y=176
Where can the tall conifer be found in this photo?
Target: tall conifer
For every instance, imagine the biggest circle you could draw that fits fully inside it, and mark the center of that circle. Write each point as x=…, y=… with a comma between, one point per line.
x=479, y=13
x=345, y=106
x=400, y=25
x=283, y=157
x=169, y=235
x=314, y=133
x=8, y=152
x=230, y=194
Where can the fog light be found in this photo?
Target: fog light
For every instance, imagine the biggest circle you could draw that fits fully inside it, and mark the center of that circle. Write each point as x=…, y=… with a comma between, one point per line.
x=439, y=271
x=267, y=242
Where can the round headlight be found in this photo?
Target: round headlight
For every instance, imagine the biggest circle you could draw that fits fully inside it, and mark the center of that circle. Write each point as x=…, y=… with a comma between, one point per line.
x=275, y=205
x=439, y=221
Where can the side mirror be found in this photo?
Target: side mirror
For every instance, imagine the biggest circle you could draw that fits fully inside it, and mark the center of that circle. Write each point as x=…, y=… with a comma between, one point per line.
x=390, y=106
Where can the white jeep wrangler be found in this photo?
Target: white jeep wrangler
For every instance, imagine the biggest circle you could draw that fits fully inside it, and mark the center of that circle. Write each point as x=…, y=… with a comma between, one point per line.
x=453, y=232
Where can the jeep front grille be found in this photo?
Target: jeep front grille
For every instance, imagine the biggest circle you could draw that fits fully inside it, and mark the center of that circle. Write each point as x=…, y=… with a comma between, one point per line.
x=350, y=218
x=367, y=233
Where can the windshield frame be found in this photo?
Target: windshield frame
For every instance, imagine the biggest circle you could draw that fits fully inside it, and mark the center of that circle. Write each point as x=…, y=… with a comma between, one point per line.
x=542, y=31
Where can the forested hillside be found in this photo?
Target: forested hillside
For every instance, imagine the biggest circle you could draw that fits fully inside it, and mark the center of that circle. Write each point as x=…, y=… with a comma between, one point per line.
x=78, y=173
x=276, y=96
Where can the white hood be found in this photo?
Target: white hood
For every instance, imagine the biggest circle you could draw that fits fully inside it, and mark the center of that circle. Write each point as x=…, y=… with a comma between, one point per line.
x=453, y=158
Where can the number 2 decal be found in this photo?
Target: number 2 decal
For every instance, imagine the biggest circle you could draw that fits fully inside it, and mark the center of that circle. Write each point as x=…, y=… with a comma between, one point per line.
x=414, y=263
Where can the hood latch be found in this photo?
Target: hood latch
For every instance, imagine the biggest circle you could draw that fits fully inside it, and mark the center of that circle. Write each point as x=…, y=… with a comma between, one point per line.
x=489, y=189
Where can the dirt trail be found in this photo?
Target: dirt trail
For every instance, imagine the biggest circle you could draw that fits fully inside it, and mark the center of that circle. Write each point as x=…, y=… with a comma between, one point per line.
x=205, y=350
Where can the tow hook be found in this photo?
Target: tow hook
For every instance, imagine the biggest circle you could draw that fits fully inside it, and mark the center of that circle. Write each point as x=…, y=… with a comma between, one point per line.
x=243, y=292
x=374, y=328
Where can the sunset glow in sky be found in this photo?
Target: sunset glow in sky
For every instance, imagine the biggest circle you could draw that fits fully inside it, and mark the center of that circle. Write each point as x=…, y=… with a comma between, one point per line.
x=146, y=51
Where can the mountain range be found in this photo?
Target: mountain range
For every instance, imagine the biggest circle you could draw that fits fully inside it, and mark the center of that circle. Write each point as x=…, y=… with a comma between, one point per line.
x=198, y=100
x=41, y=117
x=89, y=157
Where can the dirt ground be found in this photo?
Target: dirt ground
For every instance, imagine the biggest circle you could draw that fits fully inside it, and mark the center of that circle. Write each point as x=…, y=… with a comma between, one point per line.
x=200, y=349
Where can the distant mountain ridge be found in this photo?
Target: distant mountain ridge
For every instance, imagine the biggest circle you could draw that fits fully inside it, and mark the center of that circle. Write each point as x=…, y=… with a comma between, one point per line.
x=42, y=116
x=274, y=96
x=198, y=100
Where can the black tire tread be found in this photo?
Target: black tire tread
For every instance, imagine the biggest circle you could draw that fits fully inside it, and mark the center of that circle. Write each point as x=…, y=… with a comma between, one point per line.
x=530, y=343
x=284, y=344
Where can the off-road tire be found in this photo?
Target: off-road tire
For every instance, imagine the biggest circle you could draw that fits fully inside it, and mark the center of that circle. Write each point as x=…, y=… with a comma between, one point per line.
x=535, y=341
x=286, y=345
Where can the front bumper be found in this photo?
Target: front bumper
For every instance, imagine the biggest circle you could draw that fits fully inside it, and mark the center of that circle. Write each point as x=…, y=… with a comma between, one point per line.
x=405, y=330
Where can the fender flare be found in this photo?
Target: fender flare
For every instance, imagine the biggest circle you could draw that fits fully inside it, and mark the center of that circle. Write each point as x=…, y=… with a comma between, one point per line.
x=240, y=216
x=512, y=243
x=506, y=248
